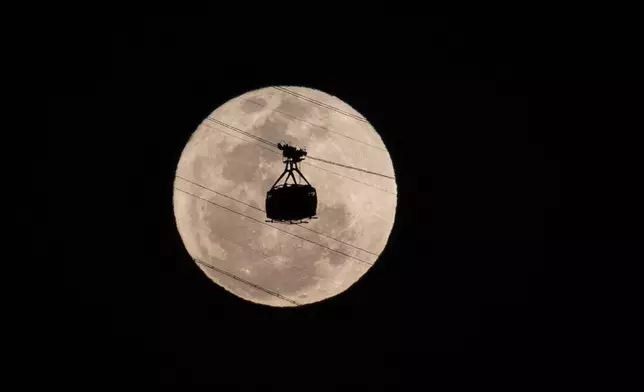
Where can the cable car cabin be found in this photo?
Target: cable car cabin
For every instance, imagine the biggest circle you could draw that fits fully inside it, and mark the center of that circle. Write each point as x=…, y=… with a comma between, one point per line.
x=291, y=202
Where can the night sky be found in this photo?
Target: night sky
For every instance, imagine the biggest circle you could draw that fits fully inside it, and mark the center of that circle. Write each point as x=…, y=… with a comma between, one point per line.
x=481, y=130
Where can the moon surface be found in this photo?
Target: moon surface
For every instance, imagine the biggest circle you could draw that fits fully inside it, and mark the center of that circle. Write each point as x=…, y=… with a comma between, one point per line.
x=228, y=165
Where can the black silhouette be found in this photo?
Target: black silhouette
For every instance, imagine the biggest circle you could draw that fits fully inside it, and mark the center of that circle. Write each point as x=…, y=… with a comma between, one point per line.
x=294, y=202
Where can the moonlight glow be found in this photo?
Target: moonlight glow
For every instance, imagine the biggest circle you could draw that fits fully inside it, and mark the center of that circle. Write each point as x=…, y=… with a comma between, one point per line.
x=226, y=169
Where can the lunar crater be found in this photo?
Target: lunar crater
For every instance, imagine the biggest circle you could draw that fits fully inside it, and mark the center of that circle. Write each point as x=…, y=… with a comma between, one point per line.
x=252, y=105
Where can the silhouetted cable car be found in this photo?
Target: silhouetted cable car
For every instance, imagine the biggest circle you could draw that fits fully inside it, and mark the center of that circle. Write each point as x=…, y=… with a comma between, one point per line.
x=291, y=202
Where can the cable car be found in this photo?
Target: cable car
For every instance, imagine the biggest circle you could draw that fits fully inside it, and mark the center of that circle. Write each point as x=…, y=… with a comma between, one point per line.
x=291, y=202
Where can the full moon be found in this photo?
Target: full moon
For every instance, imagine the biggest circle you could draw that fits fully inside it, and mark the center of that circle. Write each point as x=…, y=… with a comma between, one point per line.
x=230, y=163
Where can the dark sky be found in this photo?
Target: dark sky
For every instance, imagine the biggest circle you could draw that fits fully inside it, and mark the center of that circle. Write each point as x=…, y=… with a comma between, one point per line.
x=492, y=130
